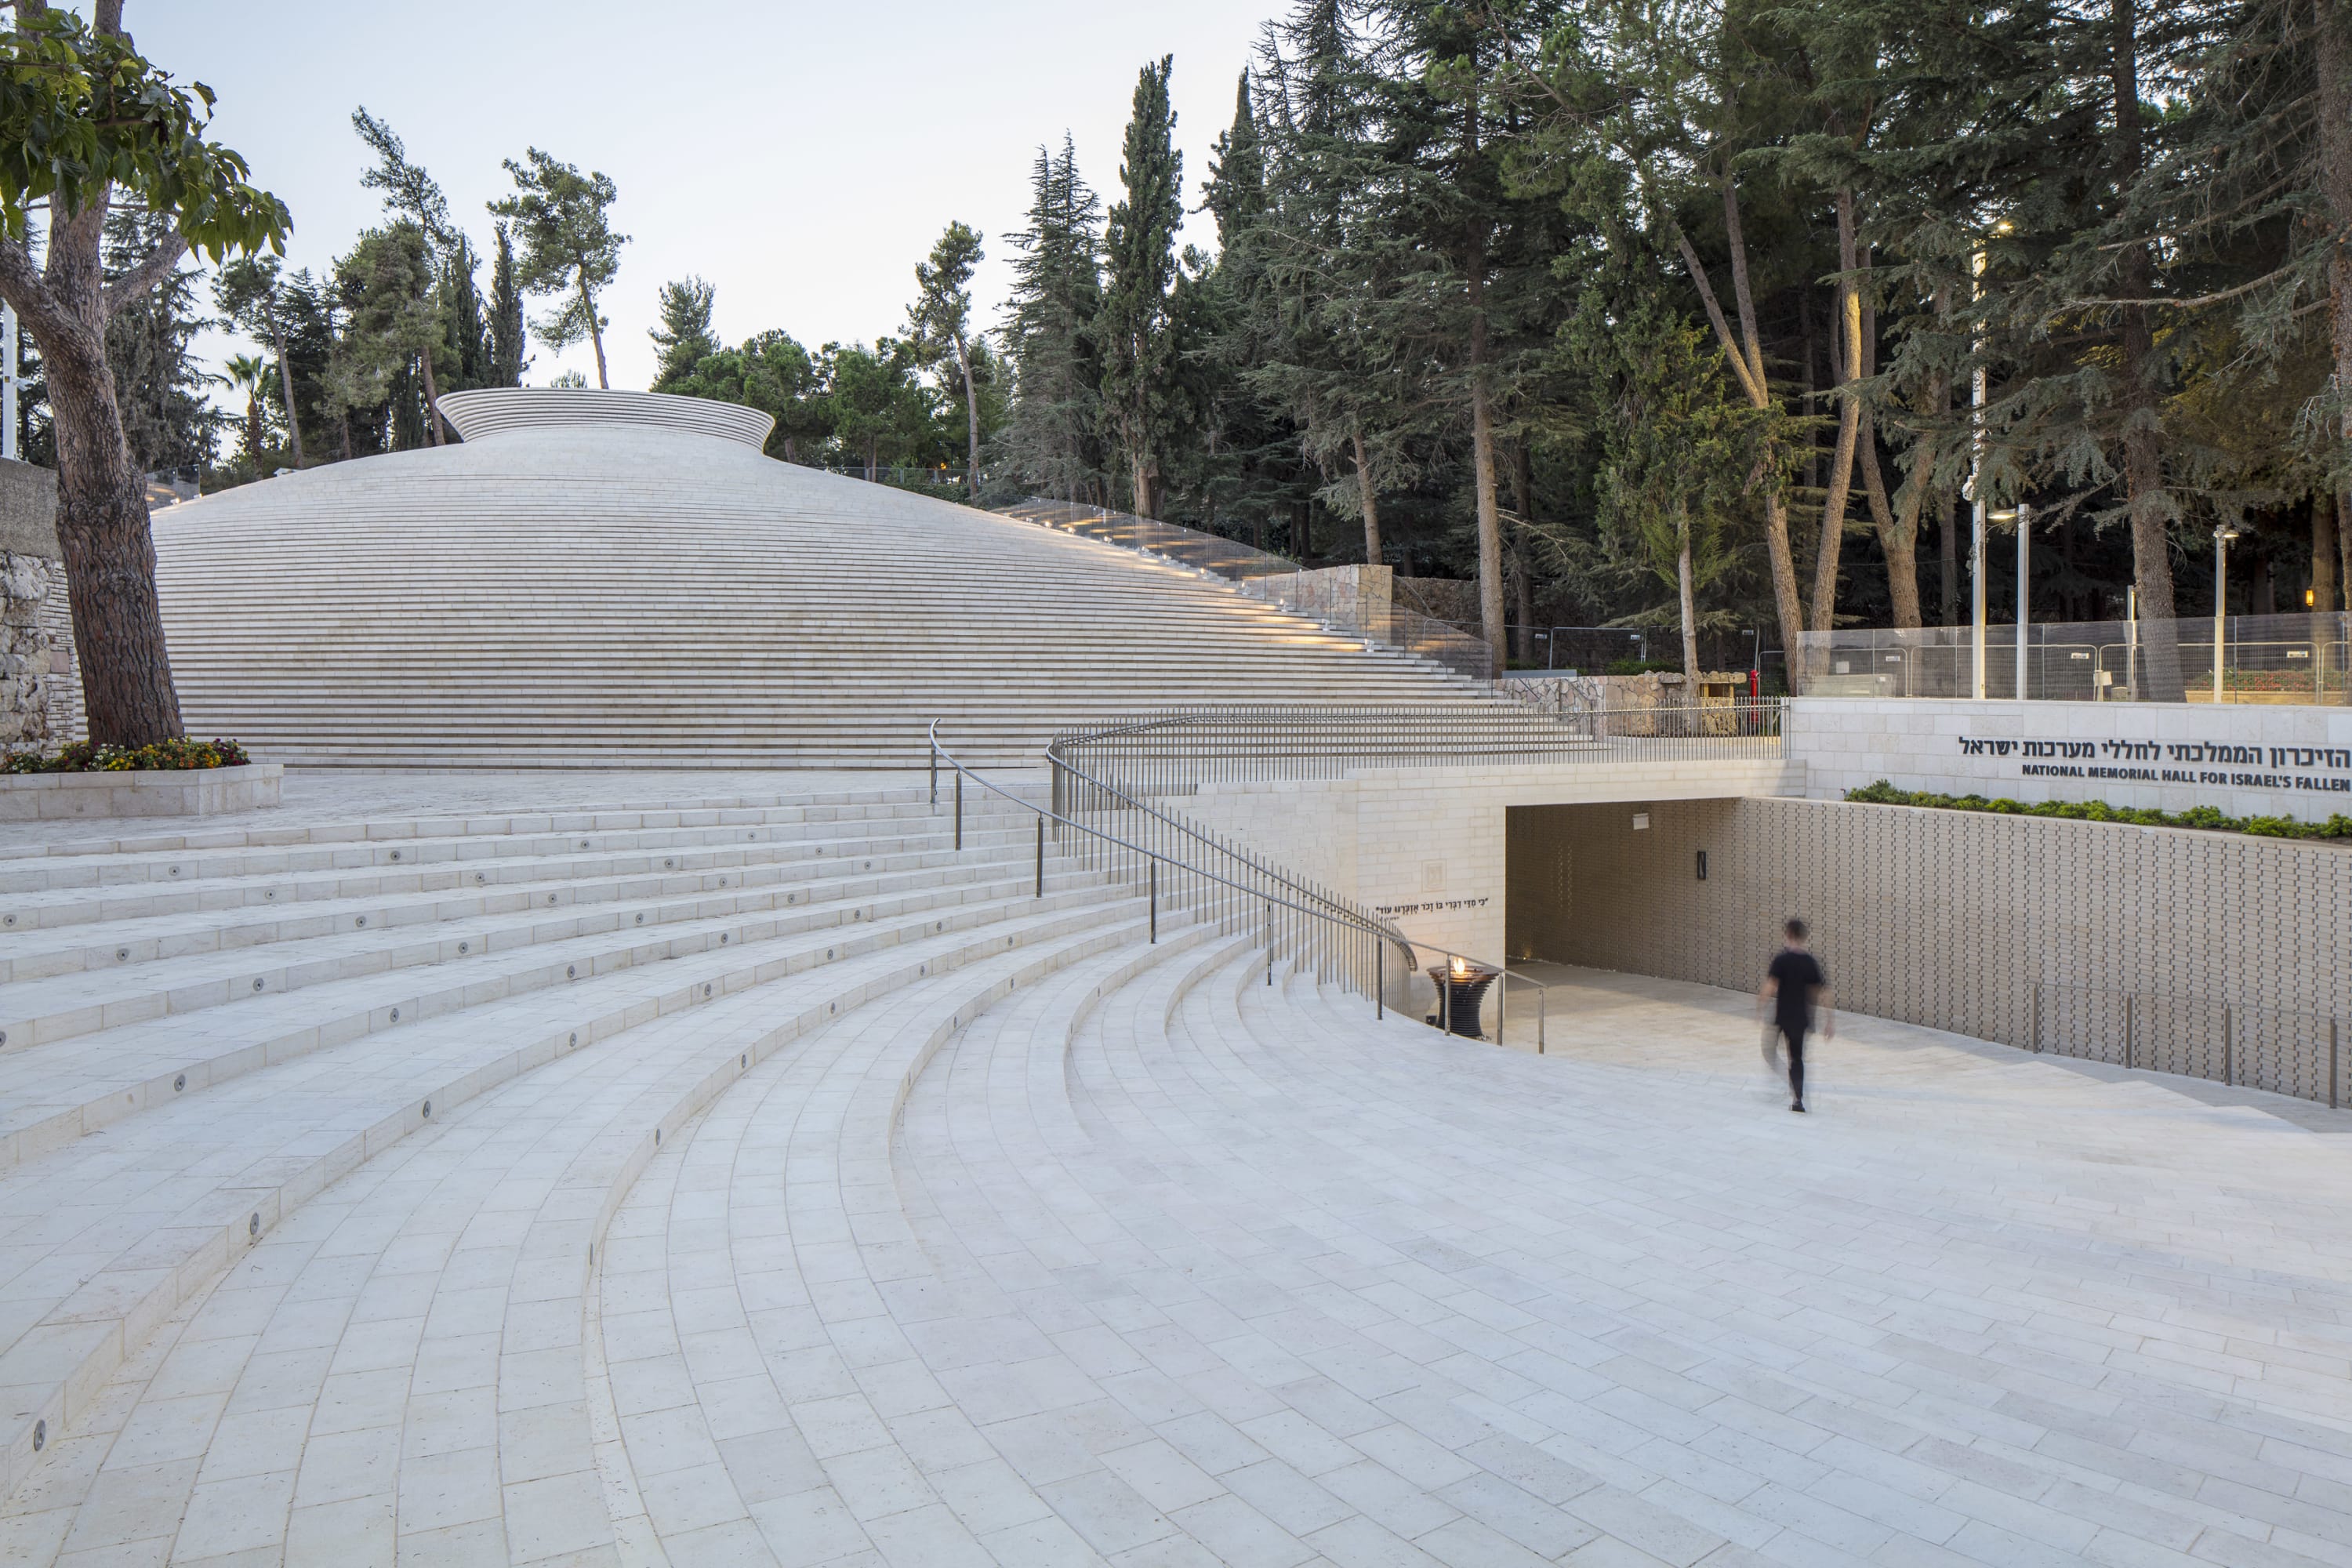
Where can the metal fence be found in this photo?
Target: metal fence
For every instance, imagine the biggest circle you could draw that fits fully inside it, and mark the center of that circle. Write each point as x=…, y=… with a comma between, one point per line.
x=2291, y=658
x=2292, y=1053
x=1175, y=752
x=1327, y=597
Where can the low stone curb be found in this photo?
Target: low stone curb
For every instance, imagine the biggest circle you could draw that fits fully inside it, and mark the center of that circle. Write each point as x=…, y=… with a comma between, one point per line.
x=141, y=791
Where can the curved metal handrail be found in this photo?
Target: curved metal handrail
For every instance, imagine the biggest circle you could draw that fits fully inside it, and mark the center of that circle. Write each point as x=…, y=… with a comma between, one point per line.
x=1324, y=911
x=1058, y=752
x=1363, y=924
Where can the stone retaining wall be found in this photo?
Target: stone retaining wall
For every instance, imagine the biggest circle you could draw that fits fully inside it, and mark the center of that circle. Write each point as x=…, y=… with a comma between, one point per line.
x=154, y=791
x=1952, y=919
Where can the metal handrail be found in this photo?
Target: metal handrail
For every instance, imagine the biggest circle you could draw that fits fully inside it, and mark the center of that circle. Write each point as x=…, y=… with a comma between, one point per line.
x=1178, y=750
x=1276, y=579
x=1325, y=931
x=1360, y=926
x=1071, y=782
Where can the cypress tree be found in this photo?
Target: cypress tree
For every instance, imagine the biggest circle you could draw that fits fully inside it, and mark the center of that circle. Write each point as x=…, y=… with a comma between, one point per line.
x=508, y=360
x=1135, y=323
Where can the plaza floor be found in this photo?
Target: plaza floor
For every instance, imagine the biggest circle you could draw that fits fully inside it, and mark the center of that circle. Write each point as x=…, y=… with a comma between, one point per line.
x=1029, y=1242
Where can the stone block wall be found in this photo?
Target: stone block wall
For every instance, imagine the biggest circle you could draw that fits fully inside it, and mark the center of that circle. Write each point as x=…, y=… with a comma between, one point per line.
x=1952, y=919
x=2280, y=761
x=1426, y=846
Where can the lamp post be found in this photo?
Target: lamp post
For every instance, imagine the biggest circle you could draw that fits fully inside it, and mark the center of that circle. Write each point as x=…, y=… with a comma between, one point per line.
x=2223, y=534
x=1979, y=384
x=2022, y=516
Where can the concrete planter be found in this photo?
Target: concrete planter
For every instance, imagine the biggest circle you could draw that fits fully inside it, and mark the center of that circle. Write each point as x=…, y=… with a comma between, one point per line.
x=146, y=792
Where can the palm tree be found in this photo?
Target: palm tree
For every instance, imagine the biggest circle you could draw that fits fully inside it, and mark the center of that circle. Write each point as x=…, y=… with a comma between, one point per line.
x=248, y=371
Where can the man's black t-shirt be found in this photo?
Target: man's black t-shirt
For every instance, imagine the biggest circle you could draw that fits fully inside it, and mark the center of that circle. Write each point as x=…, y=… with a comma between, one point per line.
x=1796, y=975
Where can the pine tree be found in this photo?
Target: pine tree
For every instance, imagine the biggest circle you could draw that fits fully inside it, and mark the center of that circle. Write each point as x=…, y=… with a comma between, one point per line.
x=1135, y=325
x=1050, y=440
x=684, y=338
x=166, y=416
x=940, y=326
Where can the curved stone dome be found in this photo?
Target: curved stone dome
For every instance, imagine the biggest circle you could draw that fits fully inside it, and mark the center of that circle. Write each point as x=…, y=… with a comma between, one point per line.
x=603, y=579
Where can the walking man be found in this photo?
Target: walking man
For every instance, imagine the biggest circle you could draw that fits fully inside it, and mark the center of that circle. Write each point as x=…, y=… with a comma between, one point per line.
x=1793, y=986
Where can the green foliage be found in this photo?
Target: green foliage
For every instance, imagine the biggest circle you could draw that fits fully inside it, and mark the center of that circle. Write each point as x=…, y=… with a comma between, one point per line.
x=509, y=357
x=160, y=390
x=1051, y=440
x=683, y=340
x=2336, y=827
x=1136, y=322
x=569, y=249
x=182, y=755
x=81, y=111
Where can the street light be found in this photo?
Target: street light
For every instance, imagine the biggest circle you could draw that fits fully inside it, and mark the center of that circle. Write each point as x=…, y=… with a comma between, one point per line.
x=2021, y=515
x=2223, y=534
x=1979, y=387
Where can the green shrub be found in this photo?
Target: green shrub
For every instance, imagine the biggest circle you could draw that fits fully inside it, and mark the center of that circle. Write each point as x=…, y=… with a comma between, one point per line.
x=1885, y=794
x=87, y=757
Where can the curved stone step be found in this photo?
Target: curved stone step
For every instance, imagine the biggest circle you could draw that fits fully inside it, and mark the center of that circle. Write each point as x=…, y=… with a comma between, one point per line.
x=201, y=1181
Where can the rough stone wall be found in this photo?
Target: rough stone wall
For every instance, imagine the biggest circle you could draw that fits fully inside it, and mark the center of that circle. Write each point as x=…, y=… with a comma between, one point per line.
x=40, y=697
x=30, y=659
x=64, y=695
x=1992, y=926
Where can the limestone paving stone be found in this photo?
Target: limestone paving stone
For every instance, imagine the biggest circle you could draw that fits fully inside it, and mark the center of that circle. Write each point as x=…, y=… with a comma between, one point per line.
x=999, y=1234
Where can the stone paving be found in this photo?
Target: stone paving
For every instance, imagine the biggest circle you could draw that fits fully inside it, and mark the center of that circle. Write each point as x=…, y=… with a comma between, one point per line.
x=957, y=1226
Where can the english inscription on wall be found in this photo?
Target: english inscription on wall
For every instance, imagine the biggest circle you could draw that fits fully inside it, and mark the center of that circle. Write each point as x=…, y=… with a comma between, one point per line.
x=2319, y=770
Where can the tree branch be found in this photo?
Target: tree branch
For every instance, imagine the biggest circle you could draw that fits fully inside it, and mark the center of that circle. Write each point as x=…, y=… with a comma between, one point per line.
x=1732, y=350
x=157, y=264
x=22, y=284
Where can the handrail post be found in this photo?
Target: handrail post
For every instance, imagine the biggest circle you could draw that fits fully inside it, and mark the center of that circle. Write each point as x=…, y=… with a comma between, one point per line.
x=959, y=795
x=2334, y=1062
x=1380, y=976
x=935, y=773
x=1041, y=857
x=1155, y=898
x=2229, y=1044
x=1269, y=943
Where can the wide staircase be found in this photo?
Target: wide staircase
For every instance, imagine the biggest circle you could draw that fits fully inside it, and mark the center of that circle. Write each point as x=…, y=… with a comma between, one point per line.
x=764, y=1179
x=598, y=580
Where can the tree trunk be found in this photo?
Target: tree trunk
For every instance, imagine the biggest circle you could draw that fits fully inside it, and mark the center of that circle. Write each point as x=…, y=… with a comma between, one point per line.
x=1746, y=355
x=1898, y=533
x=1523, y=493
x=2334, y=121
x=2322, y=555
x=253, y=430
x=595, y=334
x=1947, y=569
x=2344, y=549
x=1482, y=462
x=1849, y=323
x=1371, y=504
x=128, y=697
x=2143, y=461
x=286, y=386
x=432, y=422
x=972, y=421
x=1689, y=606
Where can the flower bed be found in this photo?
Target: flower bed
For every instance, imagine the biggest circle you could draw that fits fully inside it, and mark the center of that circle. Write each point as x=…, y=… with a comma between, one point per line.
x=183, y=755
x=2338, y=826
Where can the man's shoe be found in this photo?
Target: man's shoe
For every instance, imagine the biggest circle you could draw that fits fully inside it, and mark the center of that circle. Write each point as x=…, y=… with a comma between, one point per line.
x=1797, y=1105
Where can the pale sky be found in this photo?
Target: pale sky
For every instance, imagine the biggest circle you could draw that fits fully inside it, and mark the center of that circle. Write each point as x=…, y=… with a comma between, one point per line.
x=802, y=156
